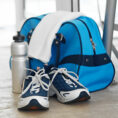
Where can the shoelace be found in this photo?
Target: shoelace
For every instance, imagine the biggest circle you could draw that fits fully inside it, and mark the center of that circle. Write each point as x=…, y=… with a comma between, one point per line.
x=37, y=81
x=67, y=73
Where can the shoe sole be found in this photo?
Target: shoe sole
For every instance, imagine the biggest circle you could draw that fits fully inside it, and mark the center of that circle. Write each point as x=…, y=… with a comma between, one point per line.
x=32, y=104
x=81, y=98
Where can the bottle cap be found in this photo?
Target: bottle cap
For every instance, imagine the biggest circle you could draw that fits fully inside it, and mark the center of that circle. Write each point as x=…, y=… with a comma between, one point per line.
x=18, y=37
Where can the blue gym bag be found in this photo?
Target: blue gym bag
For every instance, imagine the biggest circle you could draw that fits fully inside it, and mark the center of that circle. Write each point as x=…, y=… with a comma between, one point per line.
x=80, y=50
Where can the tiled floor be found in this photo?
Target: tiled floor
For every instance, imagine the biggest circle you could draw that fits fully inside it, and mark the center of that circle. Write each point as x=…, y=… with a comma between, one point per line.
x=103, y=104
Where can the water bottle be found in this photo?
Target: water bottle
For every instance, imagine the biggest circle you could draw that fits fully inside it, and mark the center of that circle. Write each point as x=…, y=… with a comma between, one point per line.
x=19, y=62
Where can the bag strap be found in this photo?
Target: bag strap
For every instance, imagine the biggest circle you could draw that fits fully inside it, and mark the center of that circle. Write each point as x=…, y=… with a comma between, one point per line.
x=57, y=41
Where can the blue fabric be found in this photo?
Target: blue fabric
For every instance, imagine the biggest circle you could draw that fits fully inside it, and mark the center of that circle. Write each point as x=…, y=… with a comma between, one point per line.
x=96, y=78
x=34, y=63
x=29, y=25
x=85, y=41
x=70, y=67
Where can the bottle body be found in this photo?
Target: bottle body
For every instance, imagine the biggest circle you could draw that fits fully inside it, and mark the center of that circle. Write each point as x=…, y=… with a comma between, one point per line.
x=19, y=63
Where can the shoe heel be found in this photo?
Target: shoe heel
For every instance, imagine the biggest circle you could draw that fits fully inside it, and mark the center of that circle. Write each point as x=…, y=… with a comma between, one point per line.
x=51, y=92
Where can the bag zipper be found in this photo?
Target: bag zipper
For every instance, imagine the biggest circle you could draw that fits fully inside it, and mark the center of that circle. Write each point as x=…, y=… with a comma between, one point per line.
x=93, y=45
x=91, y=40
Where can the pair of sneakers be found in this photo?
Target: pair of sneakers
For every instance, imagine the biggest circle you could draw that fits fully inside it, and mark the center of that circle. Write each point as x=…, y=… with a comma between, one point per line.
x=39, y=85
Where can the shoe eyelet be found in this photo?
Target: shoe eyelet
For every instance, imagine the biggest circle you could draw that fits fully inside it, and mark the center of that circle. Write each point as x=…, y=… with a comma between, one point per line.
x=87, y=59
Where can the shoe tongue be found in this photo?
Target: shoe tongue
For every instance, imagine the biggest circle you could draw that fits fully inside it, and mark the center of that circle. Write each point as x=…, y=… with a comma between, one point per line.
x=30, y=73
x=48, y=68
x=44, y=79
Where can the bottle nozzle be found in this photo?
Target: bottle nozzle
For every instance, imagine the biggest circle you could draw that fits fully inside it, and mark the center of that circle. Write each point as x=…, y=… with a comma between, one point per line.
x=18, y=33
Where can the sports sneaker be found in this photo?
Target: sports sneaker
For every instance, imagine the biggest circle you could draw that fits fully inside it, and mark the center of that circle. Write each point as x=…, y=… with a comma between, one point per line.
x=34, y=95
x=66, y=86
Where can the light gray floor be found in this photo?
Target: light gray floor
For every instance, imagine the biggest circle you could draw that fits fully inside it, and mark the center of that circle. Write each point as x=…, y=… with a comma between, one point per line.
x=103, y=104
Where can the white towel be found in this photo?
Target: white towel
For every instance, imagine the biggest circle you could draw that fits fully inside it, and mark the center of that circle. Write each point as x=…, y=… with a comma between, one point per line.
x=44, y=34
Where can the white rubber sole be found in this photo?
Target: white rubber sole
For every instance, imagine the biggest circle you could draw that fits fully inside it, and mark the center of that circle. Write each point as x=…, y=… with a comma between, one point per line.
x=42, y=102
x=66, y=97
